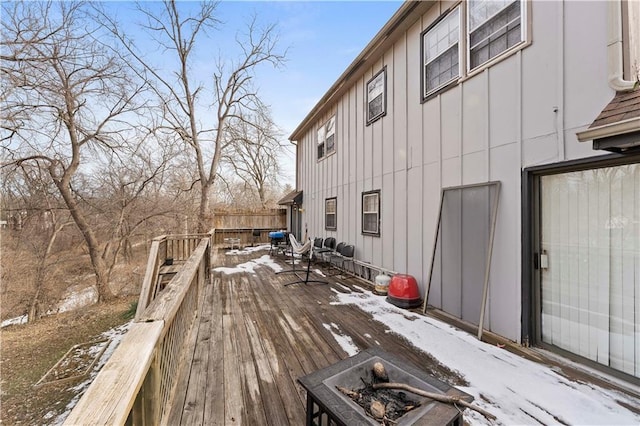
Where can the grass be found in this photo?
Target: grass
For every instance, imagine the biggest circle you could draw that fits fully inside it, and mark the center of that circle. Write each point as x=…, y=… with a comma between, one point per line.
x=30, y=350
x=131, y=312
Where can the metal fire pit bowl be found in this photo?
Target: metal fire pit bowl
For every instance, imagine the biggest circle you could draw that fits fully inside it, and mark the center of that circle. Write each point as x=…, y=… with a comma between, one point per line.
x=328, y=406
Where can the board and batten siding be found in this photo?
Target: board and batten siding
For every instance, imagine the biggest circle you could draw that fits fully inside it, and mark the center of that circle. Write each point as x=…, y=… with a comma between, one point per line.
x=521, y=111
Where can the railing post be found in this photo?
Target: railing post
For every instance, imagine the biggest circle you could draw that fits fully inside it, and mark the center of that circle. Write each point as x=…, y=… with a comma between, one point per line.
x=146, y=410
x=152, y=408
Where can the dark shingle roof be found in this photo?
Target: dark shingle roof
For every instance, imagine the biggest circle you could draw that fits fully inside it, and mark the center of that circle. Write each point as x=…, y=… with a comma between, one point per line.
x=623, y=106
x=294, y=197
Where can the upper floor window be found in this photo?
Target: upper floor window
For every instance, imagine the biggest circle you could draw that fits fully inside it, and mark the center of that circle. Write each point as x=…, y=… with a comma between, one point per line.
x=377, y=96
x=327, y=138
x=330, y=210
x=441, y=57
x=494, y=26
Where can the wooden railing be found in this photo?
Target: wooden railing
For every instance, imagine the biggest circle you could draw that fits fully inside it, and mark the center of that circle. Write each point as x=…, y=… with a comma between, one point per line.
x=177, y=248
x=136, y=384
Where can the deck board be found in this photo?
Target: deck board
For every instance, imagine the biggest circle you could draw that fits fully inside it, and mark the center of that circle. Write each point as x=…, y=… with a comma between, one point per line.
x=256, y=337
x=214, y=408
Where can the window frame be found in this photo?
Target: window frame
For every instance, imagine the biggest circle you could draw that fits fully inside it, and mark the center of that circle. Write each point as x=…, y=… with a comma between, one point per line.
x=468, y=31
x=380, y=75
x=322, y=137
x=331, y=120
x=320, y=144
x=464, y=52
x=328, y=201
x=425, y=92
x=377, y=213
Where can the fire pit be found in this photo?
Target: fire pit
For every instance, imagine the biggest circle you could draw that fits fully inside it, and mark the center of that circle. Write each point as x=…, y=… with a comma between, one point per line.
x=326, y=405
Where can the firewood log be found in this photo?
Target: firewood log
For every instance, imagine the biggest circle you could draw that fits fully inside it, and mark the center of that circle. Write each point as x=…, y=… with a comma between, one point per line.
x=377, y=409
x=380, y=372
x=435, y=396
x=351, y=394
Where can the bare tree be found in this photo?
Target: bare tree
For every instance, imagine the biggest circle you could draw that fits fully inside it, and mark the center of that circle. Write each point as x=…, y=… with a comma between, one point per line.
x=254, y=151
x=46, y=216
x=70, y=99
x=183, y=97
x=131, y=197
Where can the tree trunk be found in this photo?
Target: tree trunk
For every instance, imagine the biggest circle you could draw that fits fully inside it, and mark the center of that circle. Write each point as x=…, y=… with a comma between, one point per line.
x=98, y=263
x=204, y=219
x=35, y=300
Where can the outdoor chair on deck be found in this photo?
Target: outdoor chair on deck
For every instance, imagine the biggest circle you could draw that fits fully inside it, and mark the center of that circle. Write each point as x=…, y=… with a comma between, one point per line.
x=256, y=236
x=317, y=245
x=328, y=247
x=329, y=256
x=301, y=250
x=344, y=254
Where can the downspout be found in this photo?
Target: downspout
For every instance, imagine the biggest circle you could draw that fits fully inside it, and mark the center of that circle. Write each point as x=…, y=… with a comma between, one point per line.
x=614, y=48
x=559, y=108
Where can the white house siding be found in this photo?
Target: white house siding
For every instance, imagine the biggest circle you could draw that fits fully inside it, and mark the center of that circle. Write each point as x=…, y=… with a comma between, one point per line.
x=520, y=112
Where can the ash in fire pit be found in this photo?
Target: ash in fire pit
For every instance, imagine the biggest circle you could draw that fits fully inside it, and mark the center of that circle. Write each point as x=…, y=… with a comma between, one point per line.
x=344, y=394
x=384, y=405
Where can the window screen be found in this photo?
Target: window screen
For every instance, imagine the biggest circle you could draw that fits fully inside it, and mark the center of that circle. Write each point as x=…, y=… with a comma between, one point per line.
x=462, y=251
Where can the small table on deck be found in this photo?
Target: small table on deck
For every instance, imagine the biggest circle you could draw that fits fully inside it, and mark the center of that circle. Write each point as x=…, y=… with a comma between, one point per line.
x=233, y=242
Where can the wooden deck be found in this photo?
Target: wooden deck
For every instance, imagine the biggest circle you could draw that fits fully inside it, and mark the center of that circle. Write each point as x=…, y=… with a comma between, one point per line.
x=255, y=337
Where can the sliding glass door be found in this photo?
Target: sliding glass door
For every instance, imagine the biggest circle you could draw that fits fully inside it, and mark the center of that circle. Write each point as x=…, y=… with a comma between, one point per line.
x=589, y=263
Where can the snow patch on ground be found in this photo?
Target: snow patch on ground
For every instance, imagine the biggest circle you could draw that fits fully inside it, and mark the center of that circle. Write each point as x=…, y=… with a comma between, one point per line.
x=251, y=265
x=342, y=286
x=114, y=335
x=519, y=391
x=344, y=340
x=77, y=298
x=22, y=319
x=247, y=250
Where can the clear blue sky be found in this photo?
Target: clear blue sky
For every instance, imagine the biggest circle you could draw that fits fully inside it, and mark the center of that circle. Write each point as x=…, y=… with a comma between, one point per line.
x=321, y=37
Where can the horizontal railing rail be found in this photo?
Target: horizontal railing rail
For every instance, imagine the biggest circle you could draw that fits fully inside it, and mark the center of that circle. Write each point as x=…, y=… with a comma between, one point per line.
x=165, y=249
x=136, y=384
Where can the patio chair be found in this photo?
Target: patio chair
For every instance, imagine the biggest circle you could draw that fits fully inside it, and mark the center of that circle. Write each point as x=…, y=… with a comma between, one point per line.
x=329, y=246
x=256, y=236
x=317, y=244
x=348, y=253
x=302, y=250
x=343, y=255
x=330, y=255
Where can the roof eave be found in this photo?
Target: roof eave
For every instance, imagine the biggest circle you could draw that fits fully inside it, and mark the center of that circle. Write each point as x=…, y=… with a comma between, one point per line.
x=387, y=34
x=612, y=129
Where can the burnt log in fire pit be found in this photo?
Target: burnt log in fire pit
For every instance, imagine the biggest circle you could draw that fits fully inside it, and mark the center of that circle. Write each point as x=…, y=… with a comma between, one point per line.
x=334, y=394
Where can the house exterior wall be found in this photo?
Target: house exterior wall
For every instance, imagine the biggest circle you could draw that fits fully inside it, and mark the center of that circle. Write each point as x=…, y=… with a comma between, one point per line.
x=521, y=111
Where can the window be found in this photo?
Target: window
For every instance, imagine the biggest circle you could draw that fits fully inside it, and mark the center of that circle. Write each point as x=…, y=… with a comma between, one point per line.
x=377, y=96
x=371, y=213
x=494, y=27
x=441, y=56
x=327, y=138
x=321, y=133
x=330, y=213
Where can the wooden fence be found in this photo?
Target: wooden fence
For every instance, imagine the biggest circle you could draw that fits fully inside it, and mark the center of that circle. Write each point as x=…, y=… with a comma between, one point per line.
x=271, y=219
x=246, y=237
x=136, y=384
